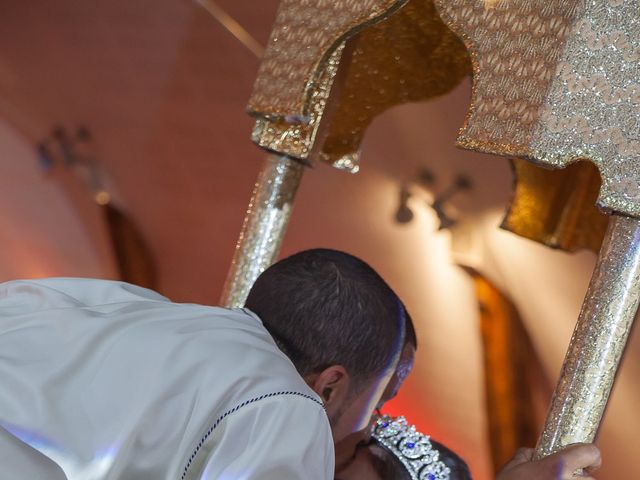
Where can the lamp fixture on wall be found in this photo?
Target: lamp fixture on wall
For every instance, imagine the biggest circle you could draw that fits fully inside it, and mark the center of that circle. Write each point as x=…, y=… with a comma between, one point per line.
x=74, y=151
x=422, y=185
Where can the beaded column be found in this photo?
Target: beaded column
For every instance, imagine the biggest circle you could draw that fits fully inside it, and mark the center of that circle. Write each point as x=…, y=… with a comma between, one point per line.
x=264, y=226
x=598, y=341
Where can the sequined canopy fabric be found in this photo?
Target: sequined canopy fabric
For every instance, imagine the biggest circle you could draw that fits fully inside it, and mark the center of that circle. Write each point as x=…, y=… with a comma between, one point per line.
x=304, y=36
x=515, y=47
x=557, y=207
x=301, y=62
x=411, y=56
x=556, y=81
x=592, y=107
x=293, y=138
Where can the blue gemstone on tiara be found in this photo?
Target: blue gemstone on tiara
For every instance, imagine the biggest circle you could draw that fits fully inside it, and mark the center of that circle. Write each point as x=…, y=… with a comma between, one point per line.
x=412, y=448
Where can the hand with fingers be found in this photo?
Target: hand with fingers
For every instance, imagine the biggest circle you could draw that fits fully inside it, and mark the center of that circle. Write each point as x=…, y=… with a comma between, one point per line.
x=560, y=466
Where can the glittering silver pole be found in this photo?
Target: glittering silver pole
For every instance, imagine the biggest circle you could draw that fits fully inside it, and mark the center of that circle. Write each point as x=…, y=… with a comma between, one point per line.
x=264, y=226
x=598, y=342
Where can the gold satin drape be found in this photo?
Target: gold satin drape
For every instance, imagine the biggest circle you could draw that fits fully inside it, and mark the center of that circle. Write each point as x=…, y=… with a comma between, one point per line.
x=514, y=378
x=133, y=257
x=557, y=207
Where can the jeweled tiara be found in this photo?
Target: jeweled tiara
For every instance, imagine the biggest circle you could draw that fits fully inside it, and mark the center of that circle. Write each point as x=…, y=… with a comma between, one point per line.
x=412, y=448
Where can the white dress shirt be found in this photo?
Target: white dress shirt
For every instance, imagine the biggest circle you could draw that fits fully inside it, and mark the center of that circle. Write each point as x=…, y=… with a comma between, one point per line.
x=103, y=380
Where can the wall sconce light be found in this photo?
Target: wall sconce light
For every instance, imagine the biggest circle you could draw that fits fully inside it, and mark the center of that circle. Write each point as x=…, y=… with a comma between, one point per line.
x=72, y=151
x=404, y=214
x=424, y=182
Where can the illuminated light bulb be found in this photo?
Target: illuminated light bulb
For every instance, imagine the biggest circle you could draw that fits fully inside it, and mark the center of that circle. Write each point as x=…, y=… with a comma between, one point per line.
x=102, y=198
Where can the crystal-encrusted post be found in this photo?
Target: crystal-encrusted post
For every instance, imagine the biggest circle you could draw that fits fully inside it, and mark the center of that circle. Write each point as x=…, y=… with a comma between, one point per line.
x=264, y=226
x=598, y=342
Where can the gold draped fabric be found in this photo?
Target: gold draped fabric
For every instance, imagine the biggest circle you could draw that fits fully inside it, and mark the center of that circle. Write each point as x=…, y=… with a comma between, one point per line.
x=513, y=374
x=133, y=258
x=412, y=56
x=557, y=207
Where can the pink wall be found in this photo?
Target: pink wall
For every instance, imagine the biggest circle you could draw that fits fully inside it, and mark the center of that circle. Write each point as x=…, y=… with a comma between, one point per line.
x=163, y=89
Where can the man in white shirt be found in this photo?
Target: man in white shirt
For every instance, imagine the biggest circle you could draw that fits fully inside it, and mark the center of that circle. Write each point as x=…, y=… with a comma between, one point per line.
x=102, y=380
x=111, y=381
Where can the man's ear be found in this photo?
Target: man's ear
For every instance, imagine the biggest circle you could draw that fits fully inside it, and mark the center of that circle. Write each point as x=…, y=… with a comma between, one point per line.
x=332, y=384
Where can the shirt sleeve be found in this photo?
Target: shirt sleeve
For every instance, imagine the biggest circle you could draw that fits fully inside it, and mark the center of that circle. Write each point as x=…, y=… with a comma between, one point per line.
x=281, y=437
x=20, y=460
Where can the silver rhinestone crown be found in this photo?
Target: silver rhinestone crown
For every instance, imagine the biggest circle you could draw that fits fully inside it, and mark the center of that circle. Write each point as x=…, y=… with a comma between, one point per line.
x=412, y=448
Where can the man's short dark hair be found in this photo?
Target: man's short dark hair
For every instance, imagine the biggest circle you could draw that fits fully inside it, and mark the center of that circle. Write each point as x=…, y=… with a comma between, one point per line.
x=325, y=307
